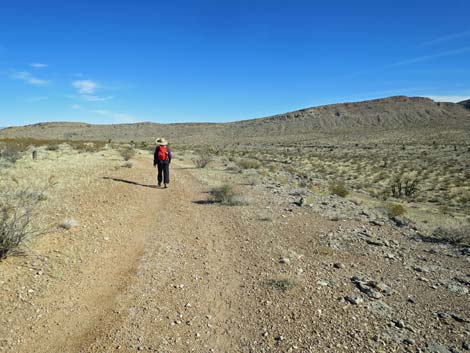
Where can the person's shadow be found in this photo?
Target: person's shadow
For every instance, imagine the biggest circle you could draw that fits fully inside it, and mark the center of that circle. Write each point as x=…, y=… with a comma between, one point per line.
x=130, y=182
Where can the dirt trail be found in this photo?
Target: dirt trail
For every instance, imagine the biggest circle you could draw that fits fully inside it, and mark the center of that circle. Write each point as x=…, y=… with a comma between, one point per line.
x=184, y=297
x=165, y=278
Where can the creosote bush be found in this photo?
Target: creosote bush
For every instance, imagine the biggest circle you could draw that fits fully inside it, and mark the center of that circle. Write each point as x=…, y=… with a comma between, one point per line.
x=226, y=195
x=401, y=186
x=17, y=210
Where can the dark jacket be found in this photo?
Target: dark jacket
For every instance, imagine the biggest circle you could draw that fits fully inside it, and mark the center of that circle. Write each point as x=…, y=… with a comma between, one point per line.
x=155, y=156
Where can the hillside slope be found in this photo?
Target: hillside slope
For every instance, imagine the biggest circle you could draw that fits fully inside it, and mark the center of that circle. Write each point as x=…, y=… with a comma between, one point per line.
x=381, y=115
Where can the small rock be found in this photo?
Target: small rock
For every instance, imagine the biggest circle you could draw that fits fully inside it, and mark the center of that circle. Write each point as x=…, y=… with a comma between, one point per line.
x=285, y=260
x=437, y=348
x=279, y=338
x=458, y=289
x=409, y=341
x=399, y=323
x=339, y=265
x=375, y=242
x=354, y=300
x=421, y=269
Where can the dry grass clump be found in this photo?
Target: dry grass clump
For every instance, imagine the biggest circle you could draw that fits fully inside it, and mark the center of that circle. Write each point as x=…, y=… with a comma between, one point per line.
x=394, y=210
x=248, y=164
x=338, y=187
x=53, y=147
x=11, y=152
x=201, y=162
x=127, y=153
x=459, y=236
x=226, y=195
x=17, y=211
x=282, y=284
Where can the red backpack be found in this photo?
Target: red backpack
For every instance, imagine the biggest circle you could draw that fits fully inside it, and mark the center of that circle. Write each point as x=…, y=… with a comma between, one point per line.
x=162, y=153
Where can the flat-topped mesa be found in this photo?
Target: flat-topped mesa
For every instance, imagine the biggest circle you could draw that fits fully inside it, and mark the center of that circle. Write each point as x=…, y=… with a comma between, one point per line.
x=398, y=114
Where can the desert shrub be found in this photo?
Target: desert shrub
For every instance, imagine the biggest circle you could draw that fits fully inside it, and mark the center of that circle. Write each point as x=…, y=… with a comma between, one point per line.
x=282, y=284
x=402, y=186
x=226, y=195
x=54, y=147
x=338, y=187
x=17, y=211
x=458, y=236
x=202, y=162
x=127, y=153
x=12, y=152
x=394, y=209
x=249, y=164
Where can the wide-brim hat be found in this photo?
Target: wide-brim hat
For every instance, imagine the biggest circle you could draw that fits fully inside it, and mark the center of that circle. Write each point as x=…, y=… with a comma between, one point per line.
x=161, y=141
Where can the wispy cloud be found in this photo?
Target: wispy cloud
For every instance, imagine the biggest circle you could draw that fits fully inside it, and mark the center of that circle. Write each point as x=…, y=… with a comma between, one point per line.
x=91, y=98
x=453, y=99
x=29, y=78
x=86, y=91
x=412, y=61
x=38, y=99
x=38, y=65
x=85, y=86
x=428, y=57
x=118, y=117
x=447, y=38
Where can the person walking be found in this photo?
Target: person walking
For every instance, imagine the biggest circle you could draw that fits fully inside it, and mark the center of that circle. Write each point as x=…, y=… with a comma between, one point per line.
x=162, y=159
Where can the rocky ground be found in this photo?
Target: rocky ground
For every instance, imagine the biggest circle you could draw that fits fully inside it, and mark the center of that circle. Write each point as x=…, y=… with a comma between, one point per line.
x=156, y=270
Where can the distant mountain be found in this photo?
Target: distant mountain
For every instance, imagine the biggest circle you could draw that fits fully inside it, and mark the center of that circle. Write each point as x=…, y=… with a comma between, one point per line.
x=387, y=116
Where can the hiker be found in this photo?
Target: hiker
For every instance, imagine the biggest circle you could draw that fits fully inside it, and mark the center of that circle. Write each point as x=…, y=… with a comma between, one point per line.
x=162, y=159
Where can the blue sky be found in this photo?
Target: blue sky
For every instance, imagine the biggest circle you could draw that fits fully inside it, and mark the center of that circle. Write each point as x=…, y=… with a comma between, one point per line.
x=175, y=61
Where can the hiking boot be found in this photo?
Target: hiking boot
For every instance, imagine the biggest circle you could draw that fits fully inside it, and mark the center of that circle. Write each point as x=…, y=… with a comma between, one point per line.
x=159, y=185
x=165, y=186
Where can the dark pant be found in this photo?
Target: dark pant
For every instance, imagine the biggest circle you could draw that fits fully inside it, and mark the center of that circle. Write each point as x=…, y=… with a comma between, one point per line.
x=163, y=172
